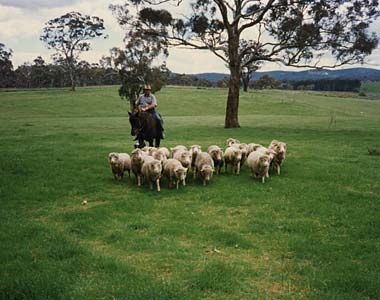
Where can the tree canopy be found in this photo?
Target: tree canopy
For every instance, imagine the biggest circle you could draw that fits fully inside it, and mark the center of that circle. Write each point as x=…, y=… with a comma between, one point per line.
x=69, y=35
x=299, y=33
x=6, y=66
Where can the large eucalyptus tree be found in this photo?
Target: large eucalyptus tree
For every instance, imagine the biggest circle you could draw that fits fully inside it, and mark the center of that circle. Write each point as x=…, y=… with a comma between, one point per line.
x=300, y=33
x=69, y=35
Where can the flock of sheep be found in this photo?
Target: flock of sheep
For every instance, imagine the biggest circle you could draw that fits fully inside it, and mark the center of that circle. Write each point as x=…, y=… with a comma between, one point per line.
x=150, y=164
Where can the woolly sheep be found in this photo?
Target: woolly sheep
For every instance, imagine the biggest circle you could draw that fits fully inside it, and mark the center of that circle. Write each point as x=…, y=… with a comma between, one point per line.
x=184, y=157
x=151, y=171
x=231, y=141
x=259, y=164
x=217, y=156
x=244, y=151
x=194, y=150
x=279, y=149
x=177, y=148
x=149, y=150
x=232, y=156
x=164, y=151
x=137, y=160
x=175, y=172
x=204, y=167
x=119, y=162
x=159, y=156
x=252, y=147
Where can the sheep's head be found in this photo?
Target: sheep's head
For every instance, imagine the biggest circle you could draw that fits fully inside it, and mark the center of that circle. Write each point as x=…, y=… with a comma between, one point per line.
x=206, y=172
x=217, y=154
x=238, y=154
x=181, y=173
x=113, y=157
x=271, y=153
x=265, y=160
x=232, y=141
x=155, y=167
x=137, y=155
x=195, y=149
x=186, y=159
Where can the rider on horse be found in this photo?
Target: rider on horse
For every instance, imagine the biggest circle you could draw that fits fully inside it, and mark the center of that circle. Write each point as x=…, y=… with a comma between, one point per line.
x=147, y=102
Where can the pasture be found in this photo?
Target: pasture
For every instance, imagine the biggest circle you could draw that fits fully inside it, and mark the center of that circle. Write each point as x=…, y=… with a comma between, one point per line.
x=311, y=233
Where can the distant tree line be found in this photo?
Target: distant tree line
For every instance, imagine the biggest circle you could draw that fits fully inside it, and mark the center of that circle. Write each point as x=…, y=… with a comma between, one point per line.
x=40, y=74
x=340, y=85
x=188, y=80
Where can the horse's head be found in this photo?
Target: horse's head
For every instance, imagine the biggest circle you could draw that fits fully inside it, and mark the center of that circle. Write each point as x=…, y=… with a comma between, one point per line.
x=136, y=125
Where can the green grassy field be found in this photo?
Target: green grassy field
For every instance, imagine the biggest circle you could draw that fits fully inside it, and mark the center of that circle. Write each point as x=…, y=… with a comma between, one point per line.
x=311, y=233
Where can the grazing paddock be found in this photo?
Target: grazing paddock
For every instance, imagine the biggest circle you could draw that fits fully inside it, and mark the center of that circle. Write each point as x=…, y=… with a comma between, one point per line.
x=312, y=232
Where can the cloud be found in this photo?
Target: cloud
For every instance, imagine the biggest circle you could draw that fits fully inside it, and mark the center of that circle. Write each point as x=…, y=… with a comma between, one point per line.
x=36, y=4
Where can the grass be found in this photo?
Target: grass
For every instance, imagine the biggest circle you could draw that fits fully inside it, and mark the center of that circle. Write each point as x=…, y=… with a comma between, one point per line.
x=311, y=233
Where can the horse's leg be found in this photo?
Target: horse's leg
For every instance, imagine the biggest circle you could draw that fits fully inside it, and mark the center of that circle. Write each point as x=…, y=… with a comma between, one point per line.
x=157, y=142
x=141, y=143
x=151, y=143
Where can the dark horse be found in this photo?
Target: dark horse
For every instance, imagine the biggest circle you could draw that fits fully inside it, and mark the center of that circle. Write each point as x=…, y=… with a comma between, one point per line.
x=146, y=128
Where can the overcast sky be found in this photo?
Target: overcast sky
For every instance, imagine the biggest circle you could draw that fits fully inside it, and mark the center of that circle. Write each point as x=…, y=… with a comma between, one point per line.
x=21, y=23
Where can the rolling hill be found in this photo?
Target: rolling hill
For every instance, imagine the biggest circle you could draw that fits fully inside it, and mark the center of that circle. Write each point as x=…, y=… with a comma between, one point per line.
x=353, y=73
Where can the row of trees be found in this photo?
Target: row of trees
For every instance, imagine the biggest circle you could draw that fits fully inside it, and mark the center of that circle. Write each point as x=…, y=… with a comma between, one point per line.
x=40, y=74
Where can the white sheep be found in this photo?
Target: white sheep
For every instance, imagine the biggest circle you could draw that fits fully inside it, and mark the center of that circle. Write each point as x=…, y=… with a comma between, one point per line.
x=164, y=151
x=279, y=149
x=175, y=172
x=232, y=156
x=184, y=157
x=177, y=148
x=137, y=160
x=231, y=141
x=217, y=156
x=252, y=147
x=259, y=164
x=244, y=151
x=149, y=150
x=151, y=171
x=159, y=155
x=119, y=162
x=204, y=167
x=194, y=150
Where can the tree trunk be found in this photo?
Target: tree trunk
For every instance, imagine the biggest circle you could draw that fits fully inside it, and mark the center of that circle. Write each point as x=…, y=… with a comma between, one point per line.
x=132, y=102
x=245, y=83
x=232, y=120
x=72, y=79
x=72, y=75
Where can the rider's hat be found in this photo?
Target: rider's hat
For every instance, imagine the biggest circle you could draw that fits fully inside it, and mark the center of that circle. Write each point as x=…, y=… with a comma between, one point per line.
x=147, y=87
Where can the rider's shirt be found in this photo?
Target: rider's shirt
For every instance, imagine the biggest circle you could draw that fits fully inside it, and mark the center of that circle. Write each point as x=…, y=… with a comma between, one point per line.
x=143, y=101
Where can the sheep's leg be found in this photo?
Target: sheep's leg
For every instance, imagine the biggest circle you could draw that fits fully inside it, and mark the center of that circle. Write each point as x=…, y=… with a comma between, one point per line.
x=204, y=182
x=278, y=170
x=263, y=179
x=129, y=174
x=195, y=172
x=184, y=182
x=138, y=180
x=238, y=168
x=267, y=174
x=177, y=184
x=151, y=185
x=225, y=167
x=158, y=184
